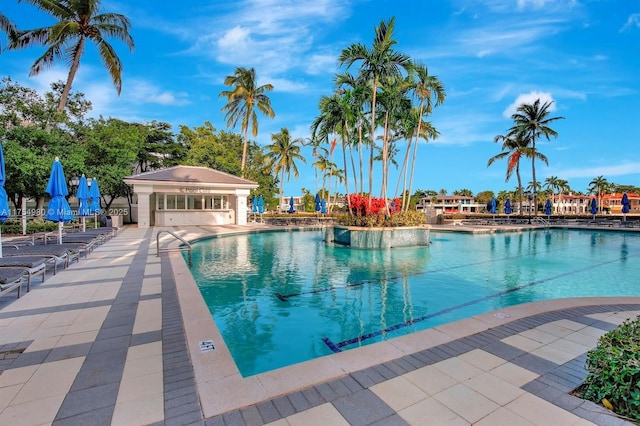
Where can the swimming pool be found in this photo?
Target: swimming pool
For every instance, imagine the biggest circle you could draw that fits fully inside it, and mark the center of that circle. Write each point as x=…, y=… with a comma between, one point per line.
x=283, y=297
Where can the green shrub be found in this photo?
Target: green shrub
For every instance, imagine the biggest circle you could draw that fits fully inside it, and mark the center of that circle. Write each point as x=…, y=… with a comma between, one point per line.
x=14, y=226
x=408, y=218
x=614, y=370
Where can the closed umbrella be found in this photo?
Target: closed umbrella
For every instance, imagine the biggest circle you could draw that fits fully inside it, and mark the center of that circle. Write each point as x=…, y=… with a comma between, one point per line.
x=291, y=209
x=625, y=205
x=254, y=208
x=318, y=203
x=493, y=207
x=594, y=207
x=94, y=192
x=260, y=204
x=4, y=204
x=323, y=206
x=547, y=207
x=83, y=197
x=58, y=209
x=507, y=207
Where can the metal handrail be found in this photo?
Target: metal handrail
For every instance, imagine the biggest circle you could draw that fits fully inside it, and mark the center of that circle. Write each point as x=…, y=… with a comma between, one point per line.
x=540, y=219
x=184, y=247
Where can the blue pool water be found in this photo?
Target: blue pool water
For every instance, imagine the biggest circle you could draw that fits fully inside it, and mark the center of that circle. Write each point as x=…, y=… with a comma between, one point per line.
x=284, y=297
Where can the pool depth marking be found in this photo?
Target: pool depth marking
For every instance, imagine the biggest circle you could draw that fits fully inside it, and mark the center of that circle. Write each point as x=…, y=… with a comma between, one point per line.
x=336, y=347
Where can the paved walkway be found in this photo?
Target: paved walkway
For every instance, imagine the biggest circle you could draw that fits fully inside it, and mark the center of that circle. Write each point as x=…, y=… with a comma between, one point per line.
x=106, y=342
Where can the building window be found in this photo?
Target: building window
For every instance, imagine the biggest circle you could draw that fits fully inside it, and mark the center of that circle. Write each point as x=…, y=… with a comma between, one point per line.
x=191, y=202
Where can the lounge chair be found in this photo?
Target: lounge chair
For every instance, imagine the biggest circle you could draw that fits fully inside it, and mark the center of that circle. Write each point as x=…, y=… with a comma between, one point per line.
x=58, y=254
x=10, y=279
x=33, y=266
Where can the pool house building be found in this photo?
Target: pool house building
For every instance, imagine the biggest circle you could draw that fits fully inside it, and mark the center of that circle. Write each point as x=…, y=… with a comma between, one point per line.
x=189, y=195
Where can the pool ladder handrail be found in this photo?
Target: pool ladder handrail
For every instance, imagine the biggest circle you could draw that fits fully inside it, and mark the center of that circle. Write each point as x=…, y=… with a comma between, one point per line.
x=541, y=220
x=185, y=246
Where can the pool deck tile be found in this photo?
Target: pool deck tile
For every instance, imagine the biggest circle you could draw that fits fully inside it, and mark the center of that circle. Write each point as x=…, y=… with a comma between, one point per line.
x=116, y=339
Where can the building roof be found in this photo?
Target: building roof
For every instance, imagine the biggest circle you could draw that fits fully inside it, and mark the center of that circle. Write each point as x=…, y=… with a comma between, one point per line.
x=191, y=174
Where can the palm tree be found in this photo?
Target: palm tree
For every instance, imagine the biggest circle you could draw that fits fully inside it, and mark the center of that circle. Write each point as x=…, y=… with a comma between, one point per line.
x=426, y=88
x=378, y=63
x=513, y=148
x=242, y=102
x=7, y=27
x=78, y=21
x=532, y=120
x=598, y=186
x=552, y=183
x=563, y=186
x=281, y=156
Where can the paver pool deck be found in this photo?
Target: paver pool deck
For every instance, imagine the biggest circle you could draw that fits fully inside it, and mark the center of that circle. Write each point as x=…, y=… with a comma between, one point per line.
x=115, y=339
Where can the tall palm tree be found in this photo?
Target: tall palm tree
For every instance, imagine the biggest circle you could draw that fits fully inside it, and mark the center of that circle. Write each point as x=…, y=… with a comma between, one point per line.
x=242, y=103
x=426, y=88
x=513, y=148
x=563, y=186
x=533, y=121
x=552, y=183
x=281, y=156
x=336, y=117
x=77, y=22
x=598, y=186
x=379, y=62
x=358, y=92
x=7, y=27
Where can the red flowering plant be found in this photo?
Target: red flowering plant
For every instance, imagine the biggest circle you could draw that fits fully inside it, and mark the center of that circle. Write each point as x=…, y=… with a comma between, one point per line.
x=372, y=213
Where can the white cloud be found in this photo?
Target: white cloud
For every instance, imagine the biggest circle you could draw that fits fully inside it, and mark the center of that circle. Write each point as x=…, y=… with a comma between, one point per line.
x=605, y=170
x=536, y=4
x=632, y=21
x=236, y=38
x=529, y=98
x=144, y=92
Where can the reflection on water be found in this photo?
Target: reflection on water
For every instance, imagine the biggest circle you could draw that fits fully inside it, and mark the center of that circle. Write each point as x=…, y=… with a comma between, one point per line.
x=285, y=297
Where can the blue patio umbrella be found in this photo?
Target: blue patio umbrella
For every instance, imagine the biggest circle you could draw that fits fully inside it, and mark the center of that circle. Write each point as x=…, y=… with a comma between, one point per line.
x=254, y=209
x=291, y=209
x=318, y=203
x=260, y=204
x=507, y=207
x=547, y=207
x=323, y=207
x=493, y=207
x=94, y=192
x=83, y=197
x=58, y=209
x=594, y=207
x=4, y=204
x=625, y=205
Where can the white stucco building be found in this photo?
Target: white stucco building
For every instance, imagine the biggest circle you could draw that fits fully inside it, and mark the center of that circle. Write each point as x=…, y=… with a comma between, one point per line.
x=189, y=195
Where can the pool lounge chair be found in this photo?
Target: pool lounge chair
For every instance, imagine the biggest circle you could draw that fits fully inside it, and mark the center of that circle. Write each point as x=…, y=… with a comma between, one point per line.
x=33, y=266
x=10, y=279
x=57, y=254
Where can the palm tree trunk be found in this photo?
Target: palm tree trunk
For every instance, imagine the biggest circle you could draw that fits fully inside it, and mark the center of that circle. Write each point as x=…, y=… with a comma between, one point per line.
x=72, y=74
x=415, y=149
x=346, y=171
x=244, y=152
x=519, y=187
x=533, y=175
x=281, y=191
x=360, y=158
x=373, y=136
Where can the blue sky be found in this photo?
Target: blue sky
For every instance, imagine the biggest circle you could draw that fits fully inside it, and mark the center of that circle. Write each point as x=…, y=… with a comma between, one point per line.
x=491, y=55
